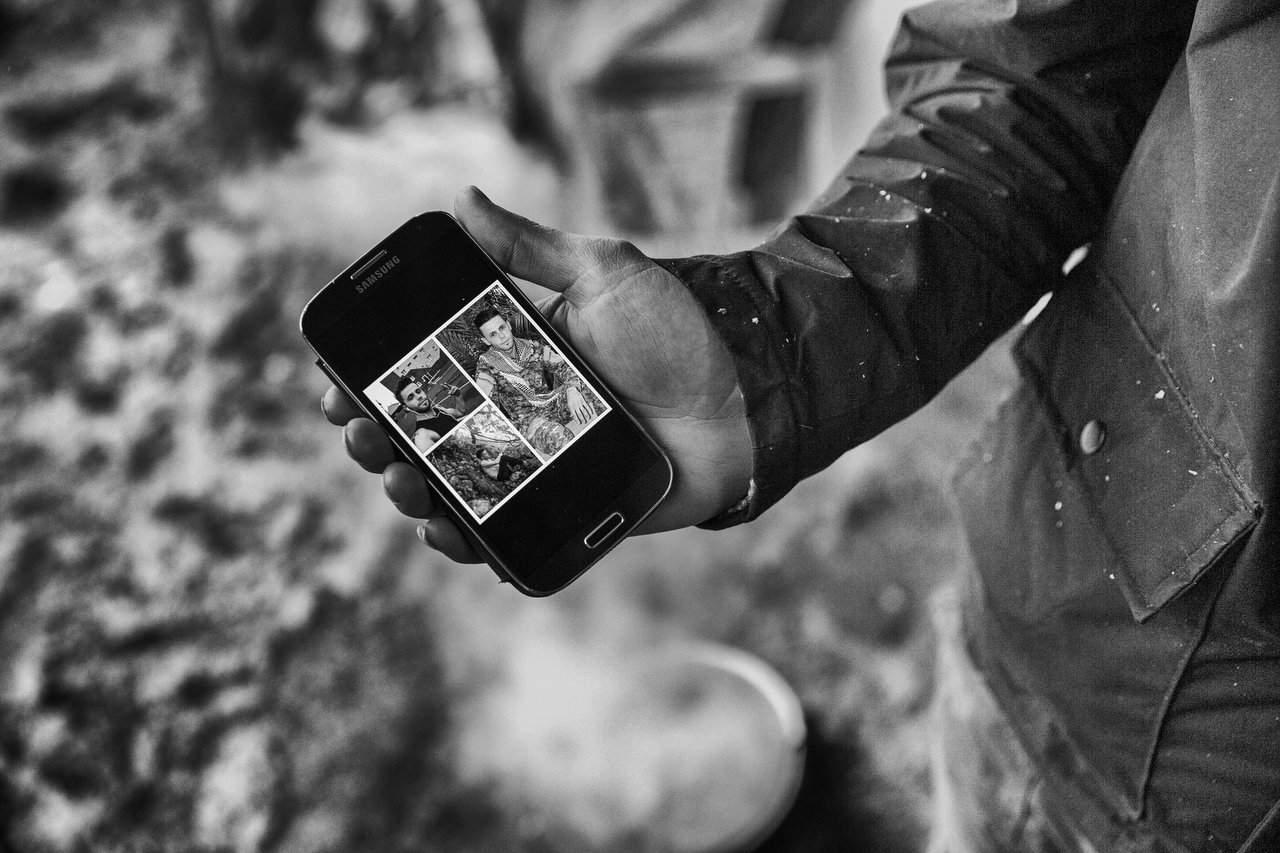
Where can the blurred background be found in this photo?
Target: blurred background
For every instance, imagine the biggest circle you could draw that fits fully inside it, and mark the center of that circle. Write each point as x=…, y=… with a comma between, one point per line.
x=215, y=632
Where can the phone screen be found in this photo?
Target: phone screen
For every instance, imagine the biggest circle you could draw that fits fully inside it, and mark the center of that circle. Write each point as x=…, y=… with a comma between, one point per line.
x=487, y=401
x=521, y=438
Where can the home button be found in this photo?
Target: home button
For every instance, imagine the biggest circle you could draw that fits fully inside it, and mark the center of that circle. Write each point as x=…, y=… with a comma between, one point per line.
x=596, y=537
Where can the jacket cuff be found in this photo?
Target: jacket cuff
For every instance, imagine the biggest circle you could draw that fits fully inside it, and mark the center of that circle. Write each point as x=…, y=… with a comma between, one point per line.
x=749, y=327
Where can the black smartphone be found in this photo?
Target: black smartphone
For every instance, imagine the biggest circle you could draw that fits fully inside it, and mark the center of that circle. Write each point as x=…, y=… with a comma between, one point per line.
x=537, y=461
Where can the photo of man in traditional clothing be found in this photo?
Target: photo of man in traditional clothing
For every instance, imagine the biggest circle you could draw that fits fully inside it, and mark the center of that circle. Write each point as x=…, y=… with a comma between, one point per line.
x=516, y=367
x=547, y=401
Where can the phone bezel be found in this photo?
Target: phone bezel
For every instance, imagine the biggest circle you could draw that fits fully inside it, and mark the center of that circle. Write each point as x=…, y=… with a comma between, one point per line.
x=430, y=232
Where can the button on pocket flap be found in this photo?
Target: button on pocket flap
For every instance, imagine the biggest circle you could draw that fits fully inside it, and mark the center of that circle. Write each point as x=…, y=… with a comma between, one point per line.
x=1168, y=502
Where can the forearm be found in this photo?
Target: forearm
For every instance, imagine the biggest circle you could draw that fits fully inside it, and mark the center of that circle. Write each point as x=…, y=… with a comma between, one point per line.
x=1009, y=134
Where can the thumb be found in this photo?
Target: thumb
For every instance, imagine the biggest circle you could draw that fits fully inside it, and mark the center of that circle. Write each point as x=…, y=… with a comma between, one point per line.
x=546, y=256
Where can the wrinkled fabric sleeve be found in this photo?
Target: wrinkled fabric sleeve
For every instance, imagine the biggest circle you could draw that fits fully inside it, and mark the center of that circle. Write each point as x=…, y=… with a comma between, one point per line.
x=1010, y=126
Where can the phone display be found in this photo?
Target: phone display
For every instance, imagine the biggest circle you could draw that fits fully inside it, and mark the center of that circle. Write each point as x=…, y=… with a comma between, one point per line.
x=487, y=401
x=542, y=468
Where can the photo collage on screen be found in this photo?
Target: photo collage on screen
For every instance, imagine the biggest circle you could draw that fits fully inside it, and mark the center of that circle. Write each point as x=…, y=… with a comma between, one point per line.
x=487, y=401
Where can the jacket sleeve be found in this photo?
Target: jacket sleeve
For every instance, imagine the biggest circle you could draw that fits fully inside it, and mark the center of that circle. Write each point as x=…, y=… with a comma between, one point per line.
x=1011, y=123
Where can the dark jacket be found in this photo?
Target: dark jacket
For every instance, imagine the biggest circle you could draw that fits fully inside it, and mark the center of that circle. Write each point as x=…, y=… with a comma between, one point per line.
x=1124, y=607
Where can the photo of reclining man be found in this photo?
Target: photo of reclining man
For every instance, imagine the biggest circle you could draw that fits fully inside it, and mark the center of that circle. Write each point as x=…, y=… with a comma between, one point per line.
x=522, y=372
x=426, y=395
x=484, y=460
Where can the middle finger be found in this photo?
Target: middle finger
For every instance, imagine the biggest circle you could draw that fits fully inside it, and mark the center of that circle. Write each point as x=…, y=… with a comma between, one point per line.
x=368, y=445
x=408, y=490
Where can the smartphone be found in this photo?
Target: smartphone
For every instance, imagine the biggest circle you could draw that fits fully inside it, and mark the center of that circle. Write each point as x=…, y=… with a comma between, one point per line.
x=536, y=460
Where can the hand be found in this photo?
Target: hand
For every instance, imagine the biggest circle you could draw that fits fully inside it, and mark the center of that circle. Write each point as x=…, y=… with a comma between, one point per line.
x=578, y=405
x=640, y=329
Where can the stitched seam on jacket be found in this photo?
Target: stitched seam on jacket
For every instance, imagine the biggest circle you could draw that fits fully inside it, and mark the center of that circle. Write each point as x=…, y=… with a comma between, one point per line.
x=1270, y=824
x=1166, y=701
x=1243, y=492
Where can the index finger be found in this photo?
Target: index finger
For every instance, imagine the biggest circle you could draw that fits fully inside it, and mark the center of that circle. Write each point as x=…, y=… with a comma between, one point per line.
x=338, y=407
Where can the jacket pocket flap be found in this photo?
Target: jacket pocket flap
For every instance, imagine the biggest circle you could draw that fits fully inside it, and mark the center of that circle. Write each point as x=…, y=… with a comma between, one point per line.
x=1166, y=500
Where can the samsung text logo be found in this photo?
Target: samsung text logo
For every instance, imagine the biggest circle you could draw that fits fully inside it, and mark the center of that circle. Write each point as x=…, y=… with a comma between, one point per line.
x=372, y=278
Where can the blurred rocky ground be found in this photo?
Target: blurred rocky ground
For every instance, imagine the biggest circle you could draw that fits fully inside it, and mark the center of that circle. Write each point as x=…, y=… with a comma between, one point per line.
x=215, y=634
